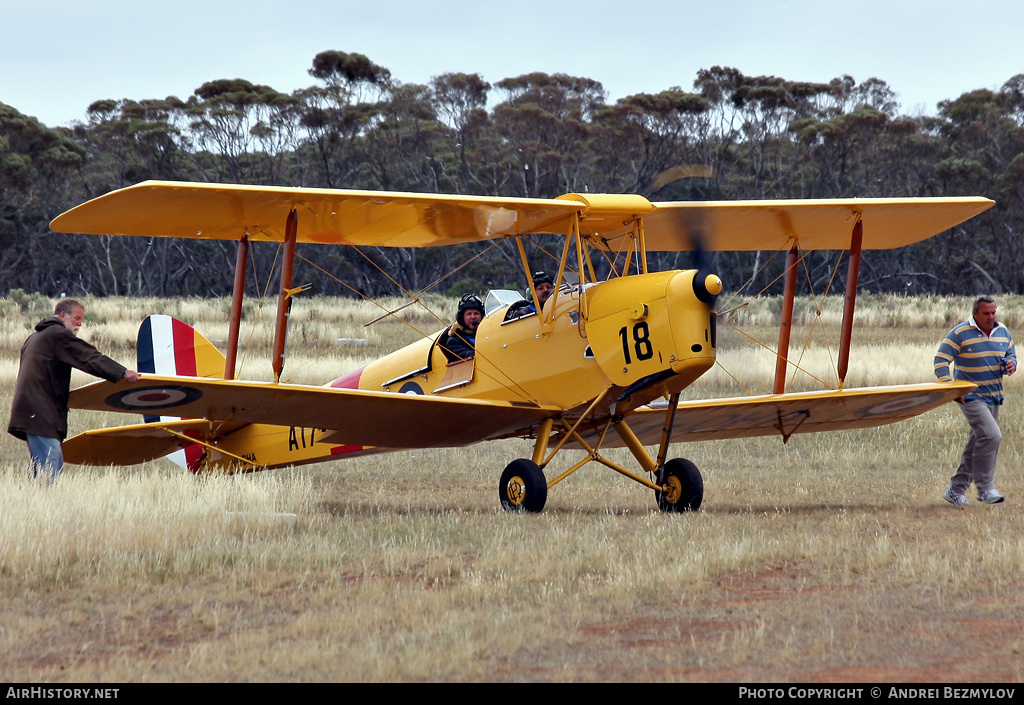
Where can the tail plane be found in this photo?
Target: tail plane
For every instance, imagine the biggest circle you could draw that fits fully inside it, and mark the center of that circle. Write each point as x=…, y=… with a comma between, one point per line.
x=167, y=346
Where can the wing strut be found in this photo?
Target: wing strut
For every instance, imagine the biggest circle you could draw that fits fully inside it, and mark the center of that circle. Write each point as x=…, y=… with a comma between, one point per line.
x=284, y=301
x=852, y=276
x=237, y=294
x=529, y=276
x=666, y=433
x=786, y=324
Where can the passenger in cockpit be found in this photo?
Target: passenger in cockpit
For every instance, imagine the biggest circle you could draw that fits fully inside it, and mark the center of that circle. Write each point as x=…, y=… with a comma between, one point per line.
x=459, y=342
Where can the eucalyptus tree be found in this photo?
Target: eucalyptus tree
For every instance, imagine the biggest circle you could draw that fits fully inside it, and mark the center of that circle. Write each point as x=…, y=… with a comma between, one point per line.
x=401, y=147
x=984, y=136
x=542, y=127
x=407, y=149
x=460, y=103
x=129, y=141
x=241, y=131
x=645, y=141
x=39, y=170
x=338, y=112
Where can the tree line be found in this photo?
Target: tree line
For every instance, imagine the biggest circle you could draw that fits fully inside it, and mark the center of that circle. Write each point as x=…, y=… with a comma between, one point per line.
x=536, y=135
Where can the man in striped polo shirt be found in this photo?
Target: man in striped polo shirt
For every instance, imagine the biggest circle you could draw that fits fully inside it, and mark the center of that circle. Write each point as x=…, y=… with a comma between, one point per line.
x=981, y=351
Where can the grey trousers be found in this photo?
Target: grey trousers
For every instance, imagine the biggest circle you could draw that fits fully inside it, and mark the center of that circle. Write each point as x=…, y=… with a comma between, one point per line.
x=978, y=462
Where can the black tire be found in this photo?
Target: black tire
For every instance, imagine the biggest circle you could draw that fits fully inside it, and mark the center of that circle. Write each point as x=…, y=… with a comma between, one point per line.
x=522, y=487
x=685, y=487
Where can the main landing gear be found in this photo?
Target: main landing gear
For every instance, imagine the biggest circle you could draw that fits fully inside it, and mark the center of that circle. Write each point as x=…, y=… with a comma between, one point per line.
x=684, y=487
x=677, y=484
x=522, y=487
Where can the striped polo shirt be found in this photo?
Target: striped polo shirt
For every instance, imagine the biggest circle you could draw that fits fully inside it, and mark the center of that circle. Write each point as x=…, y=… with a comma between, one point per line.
x=977, y=358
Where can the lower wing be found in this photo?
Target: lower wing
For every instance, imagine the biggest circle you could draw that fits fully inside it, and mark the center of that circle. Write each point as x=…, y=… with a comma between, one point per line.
x=786, y=414
x=351, y=416
x=130, y=445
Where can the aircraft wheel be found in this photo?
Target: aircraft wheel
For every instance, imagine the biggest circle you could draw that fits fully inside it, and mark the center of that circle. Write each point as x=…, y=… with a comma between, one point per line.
x=522, y=487
x=684, y=487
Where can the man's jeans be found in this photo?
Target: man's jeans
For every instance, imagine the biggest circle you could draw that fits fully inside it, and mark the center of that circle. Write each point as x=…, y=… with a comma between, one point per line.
x=46, y=456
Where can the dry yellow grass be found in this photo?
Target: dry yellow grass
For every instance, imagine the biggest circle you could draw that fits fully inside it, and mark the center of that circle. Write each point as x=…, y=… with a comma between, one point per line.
x=829, y=558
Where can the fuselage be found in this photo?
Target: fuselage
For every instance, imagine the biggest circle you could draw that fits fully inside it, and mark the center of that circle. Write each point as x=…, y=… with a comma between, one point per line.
x=638, y=337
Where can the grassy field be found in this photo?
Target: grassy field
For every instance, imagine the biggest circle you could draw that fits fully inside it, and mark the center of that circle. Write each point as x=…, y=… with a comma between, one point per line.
x=831, y=558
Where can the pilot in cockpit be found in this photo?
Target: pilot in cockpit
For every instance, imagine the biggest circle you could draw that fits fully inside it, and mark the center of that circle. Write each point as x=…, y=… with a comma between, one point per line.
x=544, y=287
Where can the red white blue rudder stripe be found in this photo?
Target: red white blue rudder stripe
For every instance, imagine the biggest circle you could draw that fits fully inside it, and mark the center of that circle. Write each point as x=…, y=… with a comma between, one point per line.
x=169, y=347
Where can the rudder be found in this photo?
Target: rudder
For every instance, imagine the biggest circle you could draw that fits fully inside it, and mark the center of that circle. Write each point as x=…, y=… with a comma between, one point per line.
x=167, y=346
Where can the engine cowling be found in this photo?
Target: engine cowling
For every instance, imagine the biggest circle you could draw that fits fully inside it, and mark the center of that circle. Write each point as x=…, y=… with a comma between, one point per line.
x=654, y=326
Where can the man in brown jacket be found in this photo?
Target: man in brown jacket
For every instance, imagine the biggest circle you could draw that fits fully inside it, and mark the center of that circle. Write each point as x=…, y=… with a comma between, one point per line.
x=39, y=414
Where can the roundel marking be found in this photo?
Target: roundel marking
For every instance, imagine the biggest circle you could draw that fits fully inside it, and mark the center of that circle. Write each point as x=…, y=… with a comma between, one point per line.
x=153, y=397
x=896, y=406
x=411, y=388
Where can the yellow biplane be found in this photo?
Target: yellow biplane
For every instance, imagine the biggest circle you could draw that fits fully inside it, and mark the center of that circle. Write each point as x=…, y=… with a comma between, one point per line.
x=600, y=364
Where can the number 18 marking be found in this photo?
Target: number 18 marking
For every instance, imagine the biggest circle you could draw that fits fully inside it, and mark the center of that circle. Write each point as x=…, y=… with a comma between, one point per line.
x=641, y=342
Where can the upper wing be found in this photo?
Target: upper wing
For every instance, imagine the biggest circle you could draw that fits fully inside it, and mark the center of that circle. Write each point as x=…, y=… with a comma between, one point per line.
x=823, y=224
x=392, y=219
x=357, y=417
x=785, y=414
x=326, y=216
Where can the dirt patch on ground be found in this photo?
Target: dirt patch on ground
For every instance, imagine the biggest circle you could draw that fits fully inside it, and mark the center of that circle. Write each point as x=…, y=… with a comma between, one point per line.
x=774, y=625
x=779, y=625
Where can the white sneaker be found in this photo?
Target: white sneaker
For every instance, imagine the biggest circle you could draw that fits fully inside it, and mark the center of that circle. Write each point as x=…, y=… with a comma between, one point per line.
x=957, y=500
x=990, y=497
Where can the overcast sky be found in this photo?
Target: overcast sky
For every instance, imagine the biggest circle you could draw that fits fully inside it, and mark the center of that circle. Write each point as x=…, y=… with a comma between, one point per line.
x=58, y=57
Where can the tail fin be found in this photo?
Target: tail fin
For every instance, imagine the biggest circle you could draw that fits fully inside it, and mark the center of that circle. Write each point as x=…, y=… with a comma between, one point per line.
x=167, y=346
